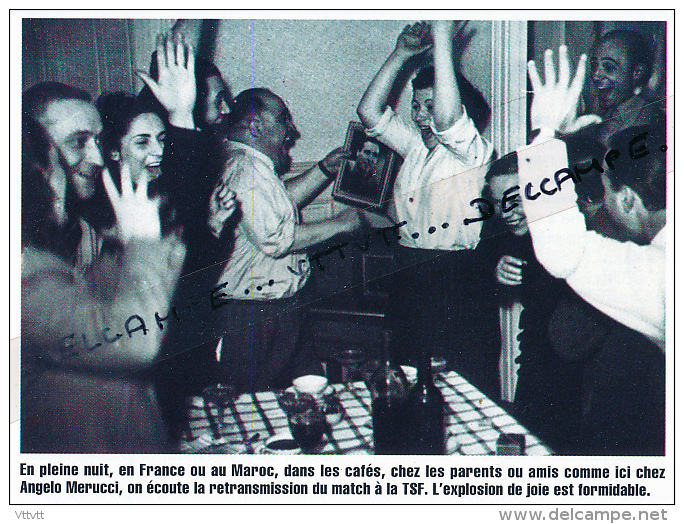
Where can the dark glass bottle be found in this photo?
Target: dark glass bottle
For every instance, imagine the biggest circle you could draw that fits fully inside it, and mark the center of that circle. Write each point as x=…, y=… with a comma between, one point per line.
x=388, y=388
x=425, y=408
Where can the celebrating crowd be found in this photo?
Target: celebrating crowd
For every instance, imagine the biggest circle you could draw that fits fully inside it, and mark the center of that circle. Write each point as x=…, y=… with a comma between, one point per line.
x=163, y=247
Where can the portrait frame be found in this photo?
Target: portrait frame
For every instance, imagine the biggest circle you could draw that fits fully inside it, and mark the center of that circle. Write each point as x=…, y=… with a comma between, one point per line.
x=374, y=192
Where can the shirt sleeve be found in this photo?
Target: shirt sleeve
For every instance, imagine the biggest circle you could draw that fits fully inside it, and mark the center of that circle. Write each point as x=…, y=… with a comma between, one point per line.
x=268, y=216
x=392, y=131
x=624, y=280
x=464, y=141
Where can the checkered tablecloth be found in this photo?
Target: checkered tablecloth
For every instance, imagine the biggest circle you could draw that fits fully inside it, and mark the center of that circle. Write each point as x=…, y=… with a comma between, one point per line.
x=474, y=422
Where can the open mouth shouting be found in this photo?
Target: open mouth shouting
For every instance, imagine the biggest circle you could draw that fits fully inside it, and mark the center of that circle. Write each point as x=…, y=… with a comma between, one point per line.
x=428, y=136
x=605, y=91
x=425, y=132
x=154, y=169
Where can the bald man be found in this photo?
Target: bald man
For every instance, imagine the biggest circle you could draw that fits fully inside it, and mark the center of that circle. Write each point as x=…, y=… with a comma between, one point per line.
x=257, y=296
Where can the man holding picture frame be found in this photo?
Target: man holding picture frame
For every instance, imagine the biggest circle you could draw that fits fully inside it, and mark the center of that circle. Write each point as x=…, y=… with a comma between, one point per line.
x=364, y=179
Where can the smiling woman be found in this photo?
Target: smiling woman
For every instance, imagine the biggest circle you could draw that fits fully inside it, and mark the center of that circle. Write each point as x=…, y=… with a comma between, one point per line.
x=133, y=132
x=143, y=145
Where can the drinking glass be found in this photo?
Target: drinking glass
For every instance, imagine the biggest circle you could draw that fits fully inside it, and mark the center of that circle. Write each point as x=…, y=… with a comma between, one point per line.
x=222, y=396
x=350, y=360
x=307, y=424
x=332, y=408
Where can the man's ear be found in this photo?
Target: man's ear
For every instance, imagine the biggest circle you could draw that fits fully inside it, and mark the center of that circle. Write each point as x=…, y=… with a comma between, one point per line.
x=256, y=126
x=628, y=200
x=115, y=155
x=638, y=74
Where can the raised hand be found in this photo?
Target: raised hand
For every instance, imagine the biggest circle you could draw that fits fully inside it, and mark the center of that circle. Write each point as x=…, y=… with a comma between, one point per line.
x=414, y=39
x=509, y=270
x=58, y=182
x=176, y=89
x=137, y=215
x=222, y=205
x=555, y=102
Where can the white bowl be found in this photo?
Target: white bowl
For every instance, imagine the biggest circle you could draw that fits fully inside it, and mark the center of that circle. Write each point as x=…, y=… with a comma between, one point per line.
x=327, y=391
x=311, y=384
x=280, y=444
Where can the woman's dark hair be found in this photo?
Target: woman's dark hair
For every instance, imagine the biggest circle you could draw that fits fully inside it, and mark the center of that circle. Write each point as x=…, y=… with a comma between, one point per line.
x=477, y=107
x=424, y=78
x=636, y=46
x=644, y=172
x=117, y=111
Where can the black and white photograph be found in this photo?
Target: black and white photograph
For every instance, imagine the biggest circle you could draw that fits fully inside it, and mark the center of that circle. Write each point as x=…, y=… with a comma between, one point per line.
x=364, y=178
x=307, y=242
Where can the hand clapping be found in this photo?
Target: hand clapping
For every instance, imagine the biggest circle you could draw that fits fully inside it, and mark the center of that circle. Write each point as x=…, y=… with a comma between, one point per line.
x=414, y=39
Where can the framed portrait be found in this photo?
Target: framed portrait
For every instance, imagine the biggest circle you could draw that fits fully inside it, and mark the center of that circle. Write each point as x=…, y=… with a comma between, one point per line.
x=364, y=179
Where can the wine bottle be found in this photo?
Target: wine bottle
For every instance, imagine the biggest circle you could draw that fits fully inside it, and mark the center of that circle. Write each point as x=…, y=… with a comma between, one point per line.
x=425, y=408
x=388, y=388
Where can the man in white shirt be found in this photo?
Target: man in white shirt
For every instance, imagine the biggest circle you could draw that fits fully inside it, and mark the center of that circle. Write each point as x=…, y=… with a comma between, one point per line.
x=624, y=280
x=624, y=382
x=443, y=172
x=256, y=296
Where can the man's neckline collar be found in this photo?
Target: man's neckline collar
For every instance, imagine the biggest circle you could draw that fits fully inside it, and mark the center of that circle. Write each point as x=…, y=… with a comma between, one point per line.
x=255, y=152
x=661, y=237
x=627, y=108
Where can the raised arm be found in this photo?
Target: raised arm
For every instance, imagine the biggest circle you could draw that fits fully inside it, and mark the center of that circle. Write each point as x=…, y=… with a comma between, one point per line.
x=622, y=279
x=447, y=108
x=555, y=103
x=175, y=88
x=412, y=41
